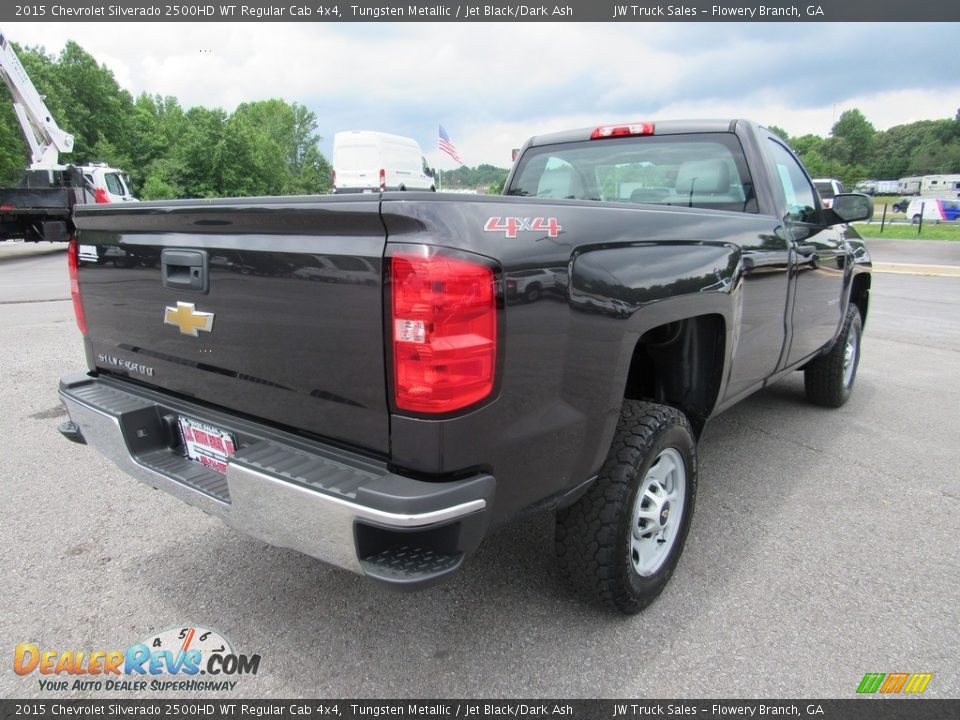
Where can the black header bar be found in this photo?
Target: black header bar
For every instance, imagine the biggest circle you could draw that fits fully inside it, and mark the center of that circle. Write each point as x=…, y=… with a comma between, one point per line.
x=630, y=11
x=198, y=707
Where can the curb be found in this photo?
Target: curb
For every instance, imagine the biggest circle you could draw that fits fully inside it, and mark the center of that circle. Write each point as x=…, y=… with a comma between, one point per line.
x=912, y=269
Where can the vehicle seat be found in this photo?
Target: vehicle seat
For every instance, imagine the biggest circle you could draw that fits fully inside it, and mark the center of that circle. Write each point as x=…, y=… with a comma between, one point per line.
x=706, y=184
x=703, y=177
x=648, y=195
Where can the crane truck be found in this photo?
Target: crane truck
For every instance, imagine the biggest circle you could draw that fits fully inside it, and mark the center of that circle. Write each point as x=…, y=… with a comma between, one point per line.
x=41, y=207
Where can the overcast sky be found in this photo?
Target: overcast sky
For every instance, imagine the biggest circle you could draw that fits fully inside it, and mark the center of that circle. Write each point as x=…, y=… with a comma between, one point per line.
x=492, y=85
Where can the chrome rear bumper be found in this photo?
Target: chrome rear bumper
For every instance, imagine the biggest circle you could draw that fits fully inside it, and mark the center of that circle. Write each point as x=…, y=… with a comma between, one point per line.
x=335, y=505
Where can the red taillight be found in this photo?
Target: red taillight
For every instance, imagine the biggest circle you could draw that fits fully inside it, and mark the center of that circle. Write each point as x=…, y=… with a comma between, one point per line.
x=100, y=197
x=383, y=179
x=7, y=208
x=444, y=323
x=73, y=262
x=608, y=131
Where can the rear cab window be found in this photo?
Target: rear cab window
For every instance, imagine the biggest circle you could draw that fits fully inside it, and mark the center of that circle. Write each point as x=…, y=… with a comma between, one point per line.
x=702, y=170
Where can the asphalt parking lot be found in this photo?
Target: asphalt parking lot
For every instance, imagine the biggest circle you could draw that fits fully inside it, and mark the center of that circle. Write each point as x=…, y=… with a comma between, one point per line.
x=824, y=546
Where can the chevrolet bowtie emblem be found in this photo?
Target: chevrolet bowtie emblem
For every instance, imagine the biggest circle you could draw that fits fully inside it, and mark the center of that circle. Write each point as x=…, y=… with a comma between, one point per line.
x=186, y=317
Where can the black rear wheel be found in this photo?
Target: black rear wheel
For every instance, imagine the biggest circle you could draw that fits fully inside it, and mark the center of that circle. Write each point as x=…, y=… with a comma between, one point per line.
x=621, y=541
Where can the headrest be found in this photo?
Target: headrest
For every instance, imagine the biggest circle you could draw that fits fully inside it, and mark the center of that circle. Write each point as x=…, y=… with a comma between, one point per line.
x=703, y=177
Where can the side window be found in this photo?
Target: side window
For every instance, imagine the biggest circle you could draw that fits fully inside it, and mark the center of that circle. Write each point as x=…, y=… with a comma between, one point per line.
x=113, y=183
x=801, y=205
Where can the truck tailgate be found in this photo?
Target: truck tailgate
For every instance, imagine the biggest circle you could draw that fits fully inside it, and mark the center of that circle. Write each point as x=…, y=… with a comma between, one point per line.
x=284, y=321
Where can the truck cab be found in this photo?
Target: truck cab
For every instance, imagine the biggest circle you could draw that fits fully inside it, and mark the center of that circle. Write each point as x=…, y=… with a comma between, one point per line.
x=105, y=184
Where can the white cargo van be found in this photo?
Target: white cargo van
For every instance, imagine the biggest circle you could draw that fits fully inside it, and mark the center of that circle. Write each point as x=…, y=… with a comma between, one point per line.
x=367, y=161
x=933, y=209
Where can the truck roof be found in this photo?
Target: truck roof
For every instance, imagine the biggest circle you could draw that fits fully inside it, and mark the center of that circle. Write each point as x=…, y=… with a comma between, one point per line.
x=661, y=127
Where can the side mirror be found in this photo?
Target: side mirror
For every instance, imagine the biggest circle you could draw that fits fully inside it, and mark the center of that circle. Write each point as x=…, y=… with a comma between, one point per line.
x=851, y=207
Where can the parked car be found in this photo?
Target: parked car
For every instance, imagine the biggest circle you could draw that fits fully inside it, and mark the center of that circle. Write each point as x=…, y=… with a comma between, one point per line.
x=932, y=209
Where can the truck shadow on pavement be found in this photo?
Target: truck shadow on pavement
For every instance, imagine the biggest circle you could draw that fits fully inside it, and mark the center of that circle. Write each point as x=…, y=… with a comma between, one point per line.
x=505, y=624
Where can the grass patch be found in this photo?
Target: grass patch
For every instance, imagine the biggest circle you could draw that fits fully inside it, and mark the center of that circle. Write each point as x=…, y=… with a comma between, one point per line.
x=907, y=231
x=879, y=202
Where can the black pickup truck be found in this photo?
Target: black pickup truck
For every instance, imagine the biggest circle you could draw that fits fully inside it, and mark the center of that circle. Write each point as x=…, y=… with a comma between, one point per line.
x=372, y=381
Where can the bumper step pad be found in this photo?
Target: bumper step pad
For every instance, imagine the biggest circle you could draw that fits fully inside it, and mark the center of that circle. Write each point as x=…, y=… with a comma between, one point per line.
x=410, y=564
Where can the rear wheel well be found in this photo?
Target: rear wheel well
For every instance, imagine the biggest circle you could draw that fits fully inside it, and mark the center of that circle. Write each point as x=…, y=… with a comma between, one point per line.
x=680, y=364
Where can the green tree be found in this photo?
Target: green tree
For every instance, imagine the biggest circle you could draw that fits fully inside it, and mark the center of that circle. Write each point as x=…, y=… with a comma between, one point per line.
x=779, y=132
x=197, y=158
x=94, y=106
x=853, y=135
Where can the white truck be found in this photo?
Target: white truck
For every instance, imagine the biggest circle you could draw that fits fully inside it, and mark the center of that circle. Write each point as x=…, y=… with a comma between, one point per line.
x=40, y=209
x=878, y=187
x=368, y=161
x=828, y=188
x=940, y=186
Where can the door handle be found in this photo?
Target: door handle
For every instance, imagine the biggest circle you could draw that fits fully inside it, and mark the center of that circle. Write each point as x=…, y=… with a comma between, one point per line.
x=185, y=270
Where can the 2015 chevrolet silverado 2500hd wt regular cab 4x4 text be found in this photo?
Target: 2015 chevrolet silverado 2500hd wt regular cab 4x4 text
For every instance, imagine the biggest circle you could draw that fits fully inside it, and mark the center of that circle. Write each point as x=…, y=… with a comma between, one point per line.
x=386, y=422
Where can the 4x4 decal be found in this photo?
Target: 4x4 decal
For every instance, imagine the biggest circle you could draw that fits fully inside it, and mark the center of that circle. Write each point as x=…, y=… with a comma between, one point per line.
x=510, y=226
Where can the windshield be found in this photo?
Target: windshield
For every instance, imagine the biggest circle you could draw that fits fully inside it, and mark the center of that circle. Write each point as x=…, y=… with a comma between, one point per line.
x=704, y=170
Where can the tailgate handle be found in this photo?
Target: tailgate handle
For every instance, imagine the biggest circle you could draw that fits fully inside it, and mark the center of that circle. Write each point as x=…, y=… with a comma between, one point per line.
x=185, y=270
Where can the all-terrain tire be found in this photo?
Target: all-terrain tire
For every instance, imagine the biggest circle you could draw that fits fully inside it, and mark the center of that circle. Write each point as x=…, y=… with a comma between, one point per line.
x=829, y=379
x=596, y=537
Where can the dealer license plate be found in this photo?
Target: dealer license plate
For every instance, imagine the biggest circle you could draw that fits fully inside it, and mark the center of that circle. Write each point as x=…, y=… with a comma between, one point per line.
x=208, y=445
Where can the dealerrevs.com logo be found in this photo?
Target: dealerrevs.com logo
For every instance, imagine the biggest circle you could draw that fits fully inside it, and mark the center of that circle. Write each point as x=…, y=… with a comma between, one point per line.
x=173, y=660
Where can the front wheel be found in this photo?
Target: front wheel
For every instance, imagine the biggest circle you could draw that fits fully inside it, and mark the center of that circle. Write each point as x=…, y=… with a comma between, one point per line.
x=621, y=541
x=828, y=380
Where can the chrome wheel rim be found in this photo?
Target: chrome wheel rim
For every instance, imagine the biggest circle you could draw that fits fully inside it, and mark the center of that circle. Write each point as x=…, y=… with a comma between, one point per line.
x=850, y=357
x=657, y=512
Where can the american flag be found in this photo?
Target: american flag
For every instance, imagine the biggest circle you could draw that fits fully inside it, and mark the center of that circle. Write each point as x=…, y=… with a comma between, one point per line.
x=445, y=144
